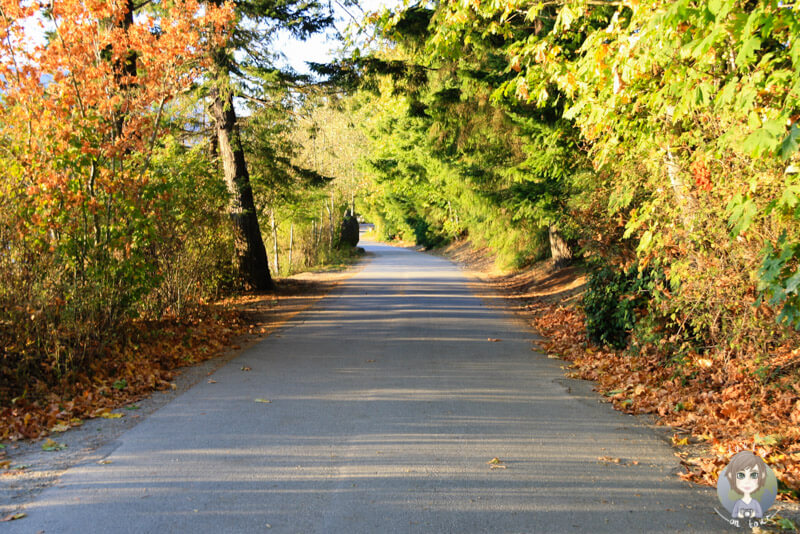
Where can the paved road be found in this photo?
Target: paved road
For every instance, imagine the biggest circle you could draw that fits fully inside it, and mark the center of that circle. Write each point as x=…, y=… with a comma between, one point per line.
x=387, y=401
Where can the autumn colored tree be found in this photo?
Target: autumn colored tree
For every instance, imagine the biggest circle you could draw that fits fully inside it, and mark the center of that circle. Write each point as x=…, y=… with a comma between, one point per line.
x=84, y=105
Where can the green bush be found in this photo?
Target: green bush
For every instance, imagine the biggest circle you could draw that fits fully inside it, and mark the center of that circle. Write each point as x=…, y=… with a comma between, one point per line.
x=612, y=302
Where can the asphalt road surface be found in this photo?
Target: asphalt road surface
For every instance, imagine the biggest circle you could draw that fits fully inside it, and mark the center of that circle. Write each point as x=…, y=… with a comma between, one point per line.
x=386, y=401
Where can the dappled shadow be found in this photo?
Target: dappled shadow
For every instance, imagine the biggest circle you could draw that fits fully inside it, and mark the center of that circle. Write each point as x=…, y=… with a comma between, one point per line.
x=385, y=405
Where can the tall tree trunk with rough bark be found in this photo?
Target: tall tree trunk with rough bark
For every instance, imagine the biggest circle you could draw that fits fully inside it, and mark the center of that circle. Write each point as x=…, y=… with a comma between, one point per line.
x=559, y=248
x=250, y=255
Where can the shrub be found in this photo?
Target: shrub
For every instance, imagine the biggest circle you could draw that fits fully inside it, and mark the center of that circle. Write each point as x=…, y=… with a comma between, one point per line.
x=612, y=302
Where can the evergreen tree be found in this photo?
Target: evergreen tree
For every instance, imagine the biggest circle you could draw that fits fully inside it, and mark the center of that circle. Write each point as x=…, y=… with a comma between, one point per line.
x=259, y=20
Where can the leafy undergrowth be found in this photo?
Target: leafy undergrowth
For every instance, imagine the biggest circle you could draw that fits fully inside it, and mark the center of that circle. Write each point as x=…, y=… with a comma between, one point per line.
x=151, y=357
x=147, y=361
x=721, y=405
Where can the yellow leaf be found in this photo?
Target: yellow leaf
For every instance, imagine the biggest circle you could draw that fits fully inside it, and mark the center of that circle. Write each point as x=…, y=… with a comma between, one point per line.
x=679, y=442
x=265, y=401
x=109, y=415
x=60, y=427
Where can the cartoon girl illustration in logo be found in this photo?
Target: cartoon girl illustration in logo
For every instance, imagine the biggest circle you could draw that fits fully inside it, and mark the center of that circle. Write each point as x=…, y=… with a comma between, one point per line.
x=746, y=474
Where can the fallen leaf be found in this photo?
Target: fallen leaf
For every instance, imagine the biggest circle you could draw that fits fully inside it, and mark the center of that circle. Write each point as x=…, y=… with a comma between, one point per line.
x=679, y=442
x=104, y=462
x=609, y=459
x=50, y=445
x=493, y=339
x=132, y=407
x=496, y=463
x=5, y=464
x=109, y=415
x=14, y=517
x=60, y=427
x=265, y=401
x=246, y=368
x=210, y=381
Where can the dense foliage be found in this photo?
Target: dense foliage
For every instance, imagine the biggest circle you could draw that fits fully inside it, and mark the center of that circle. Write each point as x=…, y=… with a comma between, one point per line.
x=655, y=141
x=113, y=206
x=96, y=193
x=660, y=135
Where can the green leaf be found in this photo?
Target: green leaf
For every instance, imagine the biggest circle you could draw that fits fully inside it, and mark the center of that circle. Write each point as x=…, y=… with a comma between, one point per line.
x=765, y=139
x=792, y=283
x=565, y=18
x=702, y=95
x=790, y=143
x=743, y=210
x=50, y=445
x=747, y=51
x=644, y=242
x=728, y=93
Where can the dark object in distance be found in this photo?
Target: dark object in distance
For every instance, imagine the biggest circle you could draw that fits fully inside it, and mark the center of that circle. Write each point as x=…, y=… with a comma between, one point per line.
x=348, y=235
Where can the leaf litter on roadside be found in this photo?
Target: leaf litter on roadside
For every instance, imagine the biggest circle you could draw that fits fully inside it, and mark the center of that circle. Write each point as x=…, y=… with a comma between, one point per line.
x=723, y=407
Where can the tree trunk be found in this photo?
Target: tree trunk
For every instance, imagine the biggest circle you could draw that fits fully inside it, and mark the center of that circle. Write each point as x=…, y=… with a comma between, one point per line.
x=274, y=241
x=330, y=222
x=314, y=232
x=291, y=245
x=250, y=256
x=687, y=206
x=559, y=249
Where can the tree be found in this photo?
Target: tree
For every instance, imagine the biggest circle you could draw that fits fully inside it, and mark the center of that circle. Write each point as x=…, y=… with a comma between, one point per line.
x=81, y=198
x=230, y=78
